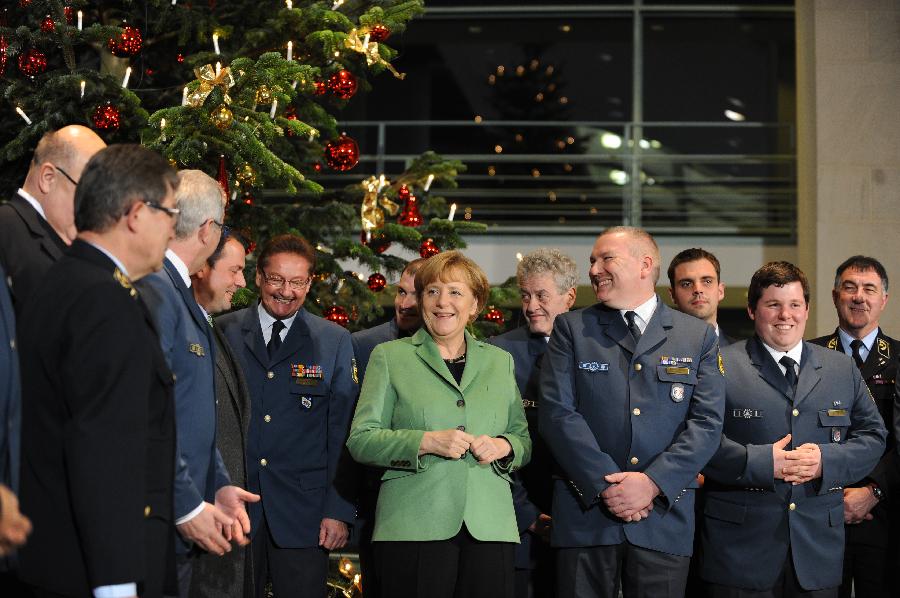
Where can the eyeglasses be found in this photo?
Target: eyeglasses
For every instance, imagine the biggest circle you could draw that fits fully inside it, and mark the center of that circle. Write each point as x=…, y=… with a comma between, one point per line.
x=172, y=212
x=277, y=282
x=66, y=174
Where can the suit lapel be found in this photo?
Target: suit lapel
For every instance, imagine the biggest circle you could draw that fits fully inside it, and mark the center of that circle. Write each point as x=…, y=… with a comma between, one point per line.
x=297, y=337
x=40, y=228
x=223, y=357
x=188, y=299
x=655, y=333
x=474, y=349
x=253, y=337
x=878, y=358
x=809, y=374
x=768, y=369
x=428, y=352
x=615, y=328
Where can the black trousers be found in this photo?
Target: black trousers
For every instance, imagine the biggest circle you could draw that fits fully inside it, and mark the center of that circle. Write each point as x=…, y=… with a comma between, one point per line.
x=294, y=572
x=786, y=586
x=540, y=580
x=870, y=570
x=596, y=571
x=370, y=583
x=461, y=567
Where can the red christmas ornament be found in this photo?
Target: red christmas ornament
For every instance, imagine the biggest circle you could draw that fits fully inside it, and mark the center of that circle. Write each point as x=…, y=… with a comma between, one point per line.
x=379, y=33
x=249, y=200
x=337, y=314
x=179, y=58
x=428, y=248
x=376, y=282
x=494, y=315
x=106, y=117
x=321, y=89
x=24, y=3
x=69, y=12
x=33, y=62
x=342, y=84
x=4, y=44
x=342, y=154
x=403, y=193
x=410, y=215
x=47, y=25
x=291, y=114
x=222, y=177
x=128, y=43
x=317, y=167
x=376, y=242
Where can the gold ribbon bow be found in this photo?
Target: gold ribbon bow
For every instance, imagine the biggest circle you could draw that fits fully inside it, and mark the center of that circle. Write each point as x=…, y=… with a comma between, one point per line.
x=371, y=52
x=209, y=81
x=372, y=215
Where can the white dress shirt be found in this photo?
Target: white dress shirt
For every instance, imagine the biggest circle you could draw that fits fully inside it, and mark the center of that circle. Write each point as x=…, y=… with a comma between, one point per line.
x=643, y=313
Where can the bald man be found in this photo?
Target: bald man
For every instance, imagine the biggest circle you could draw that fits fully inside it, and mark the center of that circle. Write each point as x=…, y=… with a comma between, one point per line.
x=38, y=223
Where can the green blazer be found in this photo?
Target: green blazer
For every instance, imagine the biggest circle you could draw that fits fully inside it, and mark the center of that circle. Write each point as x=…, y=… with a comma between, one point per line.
x=407, y=391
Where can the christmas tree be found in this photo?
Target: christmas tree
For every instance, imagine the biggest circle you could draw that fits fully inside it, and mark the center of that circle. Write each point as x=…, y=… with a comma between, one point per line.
x=247, y=91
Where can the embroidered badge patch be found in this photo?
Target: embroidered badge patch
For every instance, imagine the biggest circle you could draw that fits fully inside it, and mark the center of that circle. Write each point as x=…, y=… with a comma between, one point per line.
x=677, y=392
x=593, y=366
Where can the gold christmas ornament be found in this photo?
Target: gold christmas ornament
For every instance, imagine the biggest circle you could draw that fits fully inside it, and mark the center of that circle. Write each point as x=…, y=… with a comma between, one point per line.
x=371, y=211
x=222, y=117
x=370, y=50
x=208, y=79
x=173, y=163
x=195, y=100
x=246, y=175
x=263, y=95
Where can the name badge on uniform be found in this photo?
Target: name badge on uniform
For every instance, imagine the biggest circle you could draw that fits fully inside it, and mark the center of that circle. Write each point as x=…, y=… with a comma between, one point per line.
x=678, y=370
x=307, y=375
x=306, y=402
x=836, y=412
x=677, y=392
x=196, y=349
x=593, y=366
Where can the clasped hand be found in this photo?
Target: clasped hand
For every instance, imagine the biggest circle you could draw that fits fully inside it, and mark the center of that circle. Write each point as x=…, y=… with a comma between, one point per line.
x=630, y=495
x=217, y=525
x=453, y=444
x=797, y=466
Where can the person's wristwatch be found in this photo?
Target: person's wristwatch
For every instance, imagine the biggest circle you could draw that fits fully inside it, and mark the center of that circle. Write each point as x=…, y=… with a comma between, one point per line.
x=877, y=492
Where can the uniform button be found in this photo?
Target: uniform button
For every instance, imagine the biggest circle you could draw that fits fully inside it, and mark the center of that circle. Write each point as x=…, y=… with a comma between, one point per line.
x=267, y=418
x=792, y=506
x=270, y=375
x=461, y=428
x=174, y=378
x=636, y=411
x=634, y=460
x=12, y=344
x=147, y=511
x=263, y=462
x=637, y=367
x=460, y=403
x=796, y=412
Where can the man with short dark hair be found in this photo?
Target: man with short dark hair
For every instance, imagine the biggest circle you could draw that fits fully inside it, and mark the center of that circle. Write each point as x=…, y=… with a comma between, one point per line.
x=696, y=287
x=631, y=408
x=38, y=224
x=406, y=322
x=799, y=426
x=98, y=419
x=547, y=280
x=303, y=388
x=860, y=295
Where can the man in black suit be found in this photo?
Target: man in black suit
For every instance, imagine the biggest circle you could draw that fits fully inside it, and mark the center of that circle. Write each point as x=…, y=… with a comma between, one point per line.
x=547, y=285
x=38, y=223
x=860, y=295
x=98, y=421
x=696, y=287
x=214, y=286
x=406, y=322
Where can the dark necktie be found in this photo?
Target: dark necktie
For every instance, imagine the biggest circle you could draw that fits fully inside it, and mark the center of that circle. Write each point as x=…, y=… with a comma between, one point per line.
x=632, y=326
x=789, y=372
x=856, y=345
x=275, y=341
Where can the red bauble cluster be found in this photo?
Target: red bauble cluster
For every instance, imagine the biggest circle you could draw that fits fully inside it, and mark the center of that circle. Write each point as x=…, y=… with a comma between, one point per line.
x=379, y=33
x=376, y=242
x=248, y=200
x=33, y=62
x=128, y=43
x=494, y=316
x=69, y=12
x=342, y=84
x=342, y=154
x=428, y=248
x=410, y=215
x=337, y=314
x=321, y=88
x=47, y=25
x=377, y=282
x=4, y=44
x=106, y=117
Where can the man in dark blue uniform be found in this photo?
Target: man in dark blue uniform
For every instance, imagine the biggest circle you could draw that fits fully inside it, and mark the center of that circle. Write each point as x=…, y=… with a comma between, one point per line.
x=631, y=408
x=303, y=388
x=800, y=424
x=860, y=295
x=406, y=322
x=547, y=285
x=696, y=287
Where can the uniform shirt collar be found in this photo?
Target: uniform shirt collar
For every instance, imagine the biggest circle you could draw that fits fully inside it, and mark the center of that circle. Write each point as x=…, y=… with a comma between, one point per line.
x=644, y=312
x=179, y=266
x=795, y=353
x=34, y=203
x=868, y=341
x=266, y=320
x=114, y=259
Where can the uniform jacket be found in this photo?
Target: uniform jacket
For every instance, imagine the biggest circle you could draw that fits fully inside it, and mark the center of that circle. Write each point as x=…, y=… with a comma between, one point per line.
x=28, y=247
x=366, y=340
x=409, y=390
x=532, y=486
x=298, y=424
x=609, y=406
x=98, y=433
x=229, y=575
x=752, y=520
x=10, y=393
x=186, y=340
